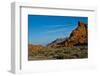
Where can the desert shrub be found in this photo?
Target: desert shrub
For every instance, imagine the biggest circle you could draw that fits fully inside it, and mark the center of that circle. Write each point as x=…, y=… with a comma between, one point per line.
x=75, y=56
x=60, y=53
x=59, y=56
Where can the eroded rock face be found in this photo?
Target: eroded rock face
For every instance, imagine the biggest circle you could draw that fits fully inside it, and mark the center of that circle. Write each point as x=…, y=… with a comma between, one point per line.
x=79, y=36
x=33, y=48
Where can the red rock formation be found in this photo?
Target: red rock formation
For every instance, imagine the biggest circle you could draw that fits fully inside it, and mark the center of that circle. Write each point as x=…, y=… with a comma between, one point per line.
x=79, y=36
x=33, y=48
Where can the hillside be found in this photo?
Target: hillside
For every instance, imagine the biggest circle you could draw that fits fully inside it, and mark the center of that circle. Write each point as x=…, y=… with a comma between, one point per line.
x=77, y=37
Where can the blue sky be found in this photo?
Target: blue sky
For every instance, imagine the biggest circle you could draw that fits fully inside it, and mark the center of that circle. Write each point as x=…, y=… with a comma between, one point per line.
x=43, y=29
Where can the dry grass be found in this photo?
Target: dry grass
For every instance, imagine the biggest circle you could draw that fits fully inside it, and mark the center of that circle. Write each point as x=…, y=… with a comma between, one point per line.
x=59, y=53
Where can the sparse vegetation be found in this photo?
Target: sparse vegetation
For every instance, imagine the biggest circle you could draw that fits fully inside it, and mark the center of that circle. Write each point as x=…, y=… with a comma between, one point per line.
x=59, y=53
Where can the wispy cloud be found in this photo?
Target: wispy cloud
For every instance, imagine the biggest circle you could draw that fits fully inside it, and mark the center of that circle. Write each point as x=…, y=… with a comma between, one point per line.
x=56, y=29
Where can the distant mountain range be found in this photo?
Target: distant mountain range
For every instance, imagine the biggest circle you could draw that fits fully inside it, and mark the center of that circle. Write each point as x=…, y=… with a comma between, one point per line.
x=57, y=41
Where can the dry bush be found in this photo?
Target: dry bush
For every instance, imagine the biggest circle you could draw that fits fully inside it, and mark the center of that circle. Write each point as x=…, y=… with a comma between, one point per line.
x=59, y=53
